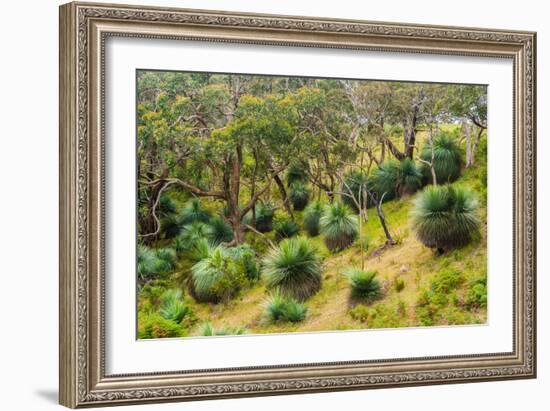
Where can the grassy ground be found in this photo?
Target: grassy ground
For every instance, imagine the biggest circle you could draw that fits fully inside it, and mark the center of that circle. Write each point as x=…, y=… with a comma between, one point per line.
x=332, y=308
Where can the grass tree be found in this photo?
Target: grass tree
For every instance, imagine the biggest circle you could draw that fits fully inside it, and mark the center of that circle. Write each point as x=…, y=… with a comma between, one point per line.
x=312, y=217
x=281, y=308
x=293, y=268
x=364, y=284
x=441, y=158
x=193, y=211
x=385, y=178
x=445, y=217
x=220, y=230
x=299, y=195
x=338, y=226
x=216, y=277
x=286, y=228
x=409, y=177
x=264, y=217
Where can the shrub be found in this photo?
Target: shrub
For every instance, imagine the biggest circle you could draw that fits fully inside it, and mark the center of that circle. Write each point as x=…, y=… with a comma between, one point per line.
x=436, y=304
x=245, y=258
x=409, y=177
x=173, y=307
x=208, y=331
x=170, y=225
x=299, y=195
x=193, y=211
x=146, y=261
x=360, y=313
x=399, y=284
x=220, y=230
x=152, y=262
x=447, y=159
x=198, y=250
x=195, y=231
x=476, y=297
x=385, y=178
x=264, y=217
x=312, y=217
x=166, y=205
x=445, y=217
x=364, y=284
x=286, y=228
x=338, y=226
x=355, y=184
x=219, y=276
x=153, y=325
x=293, y=268
x=280, y=308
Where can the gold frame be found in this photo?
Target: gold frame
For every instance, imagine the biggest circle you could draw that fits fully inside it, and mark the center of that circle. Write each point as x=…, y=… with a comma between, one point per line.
x=83, y=30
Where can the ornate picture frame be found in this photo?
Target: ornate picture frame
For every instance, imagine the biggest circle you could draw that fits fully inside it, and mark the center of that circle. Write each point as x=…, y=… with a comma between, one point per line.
x=84, y=28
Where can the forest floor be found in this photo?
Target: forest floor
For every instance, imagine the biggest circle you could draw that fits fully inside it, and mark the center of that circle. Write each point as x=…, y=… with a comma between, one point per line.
x=333, y=308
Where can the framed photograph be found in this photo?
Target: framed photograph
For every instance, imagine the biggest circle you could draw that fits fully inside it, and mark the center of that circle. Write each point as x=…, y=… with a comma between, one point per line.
x=261, y=205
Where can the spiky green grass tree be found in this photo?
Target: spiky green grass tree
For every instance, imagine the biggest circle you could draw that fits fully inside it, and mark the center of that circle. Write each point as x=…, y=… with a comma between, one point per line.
x=445, y=217
x=293, y=268
x=281, y=308
x=264, y=217
x=299, y=195
x=216, y=277
x=312, y=217
x=364, y=284
x=447, y=159
x=338, y=226
x=194, y=211
x=286, y=228
x=220, y=230
x=409, y=178
x=384, y=179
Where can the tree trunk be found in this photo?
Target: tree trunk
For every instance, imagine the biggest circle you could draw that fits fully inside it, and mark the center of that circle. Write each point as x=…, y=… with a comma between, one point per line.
x=284, y=196
x=410, y=136
x=233, y=196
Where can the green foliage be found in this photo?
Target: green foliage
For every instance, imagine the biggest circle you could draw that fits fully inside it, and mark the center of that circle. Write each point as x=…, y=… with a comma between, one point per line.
x=364, y=284
x=338, y=226
x=173, y=307
x=208, y=331
x=296, y=172
x=438, y=303
x=299, y=195
x=167, y=205
x=193, y=211
x=447, y=158
x=195, y=231
x=409, y=177
x=355, y=186
x=312, y=218
x=476, y=297
x=264, y=217
x=381, y=315
x=293, y=268
x=445, y=217
x=286, y=228
x=399, y=284
x=221, y=274
x=153, y=325
x=153, y=262
x=220, y=230
x=384, y=179
x=281, y=308
x=245, y=259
